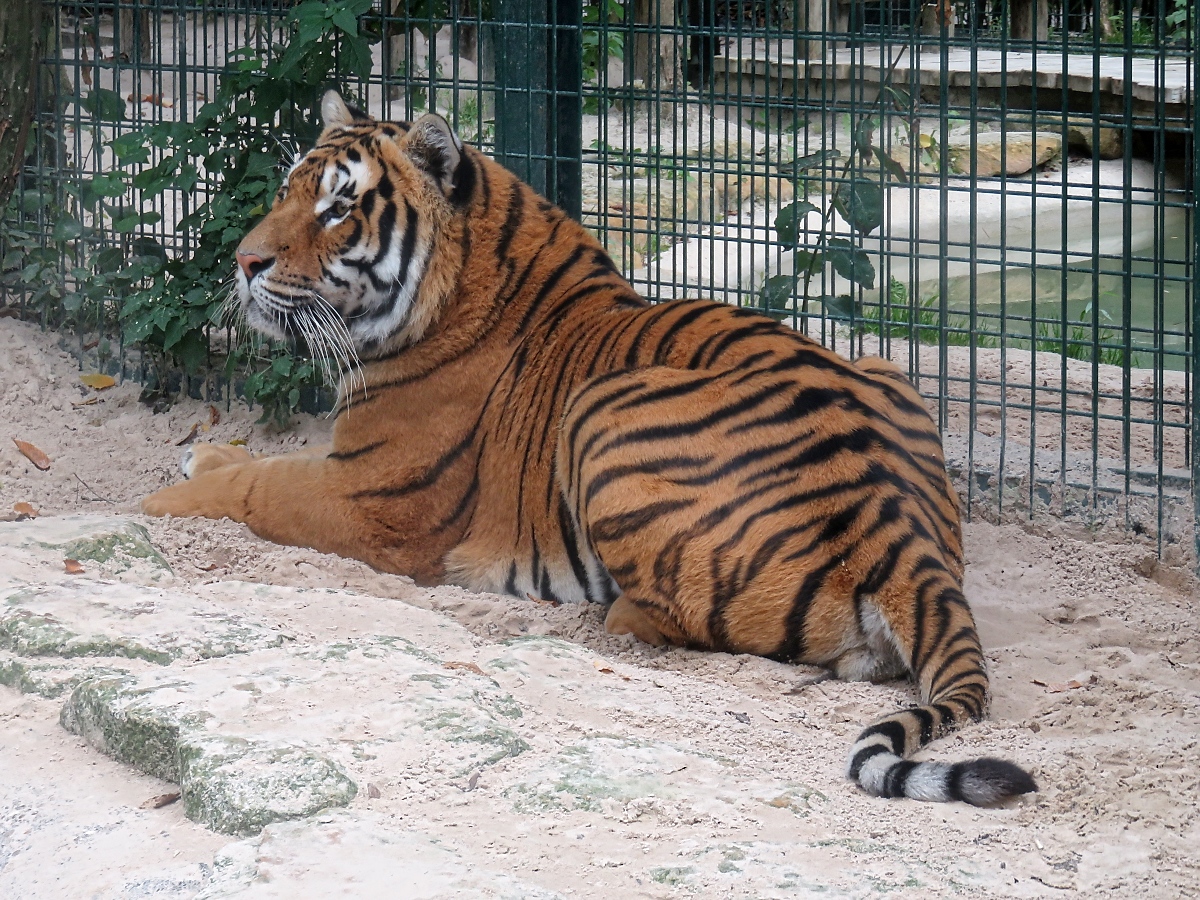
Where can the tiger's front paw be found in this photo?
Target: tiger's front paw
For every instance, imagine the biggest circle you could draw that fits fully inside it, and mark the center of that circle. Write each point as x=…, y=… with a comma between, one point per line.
x=207, y=497
x=201, y=458
x=170, y=501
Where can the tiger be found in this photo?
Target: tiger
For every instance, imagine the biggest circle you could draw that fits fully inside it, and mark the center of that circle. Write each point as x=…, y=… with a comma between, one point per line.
x=518, y=420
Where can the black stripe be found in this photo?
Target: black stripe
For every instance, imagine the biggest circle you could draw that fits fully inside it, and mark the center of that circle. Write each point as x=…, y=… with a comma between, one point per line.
x=860, y=758
x=343, y=455
x=614, y=528
x=427, y=478
x=547, y=286
x=464, y=182
x=508, y=230
x=566, y=530
x=897, y=778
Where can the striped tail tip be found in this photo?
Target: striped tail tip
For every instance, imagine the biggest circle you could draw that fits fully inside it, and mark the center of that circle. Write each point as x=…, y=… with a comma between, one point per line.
x=980, y=782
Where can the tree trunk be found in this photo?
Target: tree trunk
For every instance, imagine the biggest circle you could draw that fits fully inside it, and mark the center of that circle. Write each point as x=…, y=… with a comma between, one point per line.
x=656, y=57
x=1104, y=20
x=134, y=41
x=20, y=59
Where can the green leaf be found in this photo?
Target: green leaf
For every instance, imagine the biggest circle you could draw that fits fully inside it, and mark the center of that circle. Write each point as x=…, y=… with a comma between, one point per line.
x=889, y=165
x=260, y=165
x=808, y=261
x=110, y=185
x=851, y=262
x=357, y=52
x=861, y=205
x=105, y=105
x=901, y=98
x=108, y=260
x=812, y=161
x=841, y=307
x=145, y=246
x=788, y=220
x=66, y=229
x=192, y=350
x=345, y=20
x=776, y=293
x=174, y=332
x=126, y=224
x=130, y=148
x=863, y=135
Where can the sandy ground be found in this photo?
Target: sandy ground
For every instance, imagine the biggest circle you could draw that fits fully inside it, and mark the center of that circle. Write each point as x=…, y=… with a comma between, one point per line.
x=1094, y=651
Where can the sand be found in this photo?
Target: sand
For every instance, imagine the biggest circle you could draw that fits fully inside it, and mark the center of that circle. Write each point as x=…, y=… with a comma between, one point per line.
x=1093, y=647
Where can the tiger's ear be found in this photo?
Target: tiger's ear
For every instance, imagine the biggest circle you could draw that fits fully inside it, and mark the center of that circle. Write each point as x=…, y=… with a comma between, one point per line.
x=435, y=148
x=335, y=112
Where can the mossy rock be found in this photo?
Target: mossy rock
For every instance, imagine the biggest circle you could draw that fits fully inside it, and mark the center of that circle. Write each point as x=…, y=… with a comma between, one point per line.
x=236, y=786
x=85, y=618
x=118, y=547
x=49, y=679
x=119, y=717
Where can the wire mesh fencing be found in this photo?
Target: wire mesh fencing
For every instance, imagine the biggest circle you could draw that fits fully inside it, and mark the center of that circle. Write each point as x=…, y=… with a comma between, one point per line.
x=999, y=195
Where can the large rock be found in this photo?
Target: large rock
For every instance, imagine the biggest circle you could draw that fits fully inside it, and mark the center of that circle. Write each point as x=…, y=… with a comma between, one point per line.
x=344, y=856
x=114, y=546
x=247, y=745
x=86, y=618
x=1105, y=143
x=1001, y=153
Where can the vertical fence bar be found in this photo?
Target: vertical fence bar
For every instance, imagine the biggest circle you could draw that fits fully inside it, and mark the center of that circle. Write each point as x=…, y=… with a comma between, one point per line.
x=1192, y=74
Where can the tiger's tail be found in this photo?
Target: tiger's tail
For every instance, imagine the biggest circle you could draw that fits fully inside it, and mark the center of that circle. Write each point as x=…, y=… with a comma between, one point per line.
x=948, y=661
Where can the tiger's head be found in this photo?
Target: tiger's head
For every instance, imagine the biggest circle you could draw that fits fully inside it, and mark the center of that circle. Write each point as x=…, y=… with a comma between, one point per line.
x=341, y=258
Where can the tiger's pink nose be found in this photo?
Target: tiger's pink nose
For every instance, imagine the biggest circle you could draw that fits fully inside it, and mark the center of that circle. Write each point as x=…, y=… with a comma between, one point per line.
x=252, y=263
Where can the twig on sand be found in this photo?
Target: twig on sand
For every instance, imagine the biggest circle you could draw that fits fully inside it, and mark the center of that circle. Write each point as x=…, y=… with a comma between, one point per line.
x=92, y=489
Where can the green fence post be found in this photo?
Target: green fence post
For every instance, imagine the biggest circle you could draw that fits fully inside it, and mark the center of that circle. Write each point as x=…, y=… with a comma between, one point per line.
x=538, y=96
x=1193, y=72
x=522, y=122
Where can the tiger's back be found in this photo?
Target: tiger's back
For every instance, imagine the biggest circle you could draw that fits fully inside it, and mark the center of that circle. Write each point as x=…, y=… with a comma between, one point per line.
x=531, y=425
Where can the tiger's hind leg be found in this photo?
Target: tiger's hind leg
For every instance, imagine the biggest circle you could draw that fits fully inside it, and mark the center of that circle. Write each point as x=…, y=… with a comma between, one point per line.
x=645, y=476
x=626, y=616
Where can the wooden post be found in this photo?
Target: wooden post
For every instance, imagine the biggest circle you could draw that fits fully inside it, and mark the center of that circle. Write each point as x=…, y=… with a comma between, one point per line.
x=133, y=42
x=657, y=58
x=21, y=45
x=1030, y=20
x=817, y=19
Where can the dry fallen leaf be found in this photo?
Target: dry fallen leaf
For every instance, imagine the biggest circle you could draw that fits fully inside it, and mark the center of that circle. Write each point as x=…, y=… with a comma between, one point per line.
x=33, y=454
x=473, y=781
x=191, y=435
x=73, y=566
x=373, y=792
x=160, y=801
x=214, y=417
x=98, y=382
x=25, y=510
x=88, y=402
x=601, y=667
x=544, y=602
x=469, y=666
x=238, y=442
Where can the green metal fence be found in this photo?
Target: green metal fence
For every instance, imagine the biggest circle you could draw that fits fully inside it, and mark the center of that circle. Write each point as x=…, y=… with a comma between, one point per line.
x=1000, y=195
